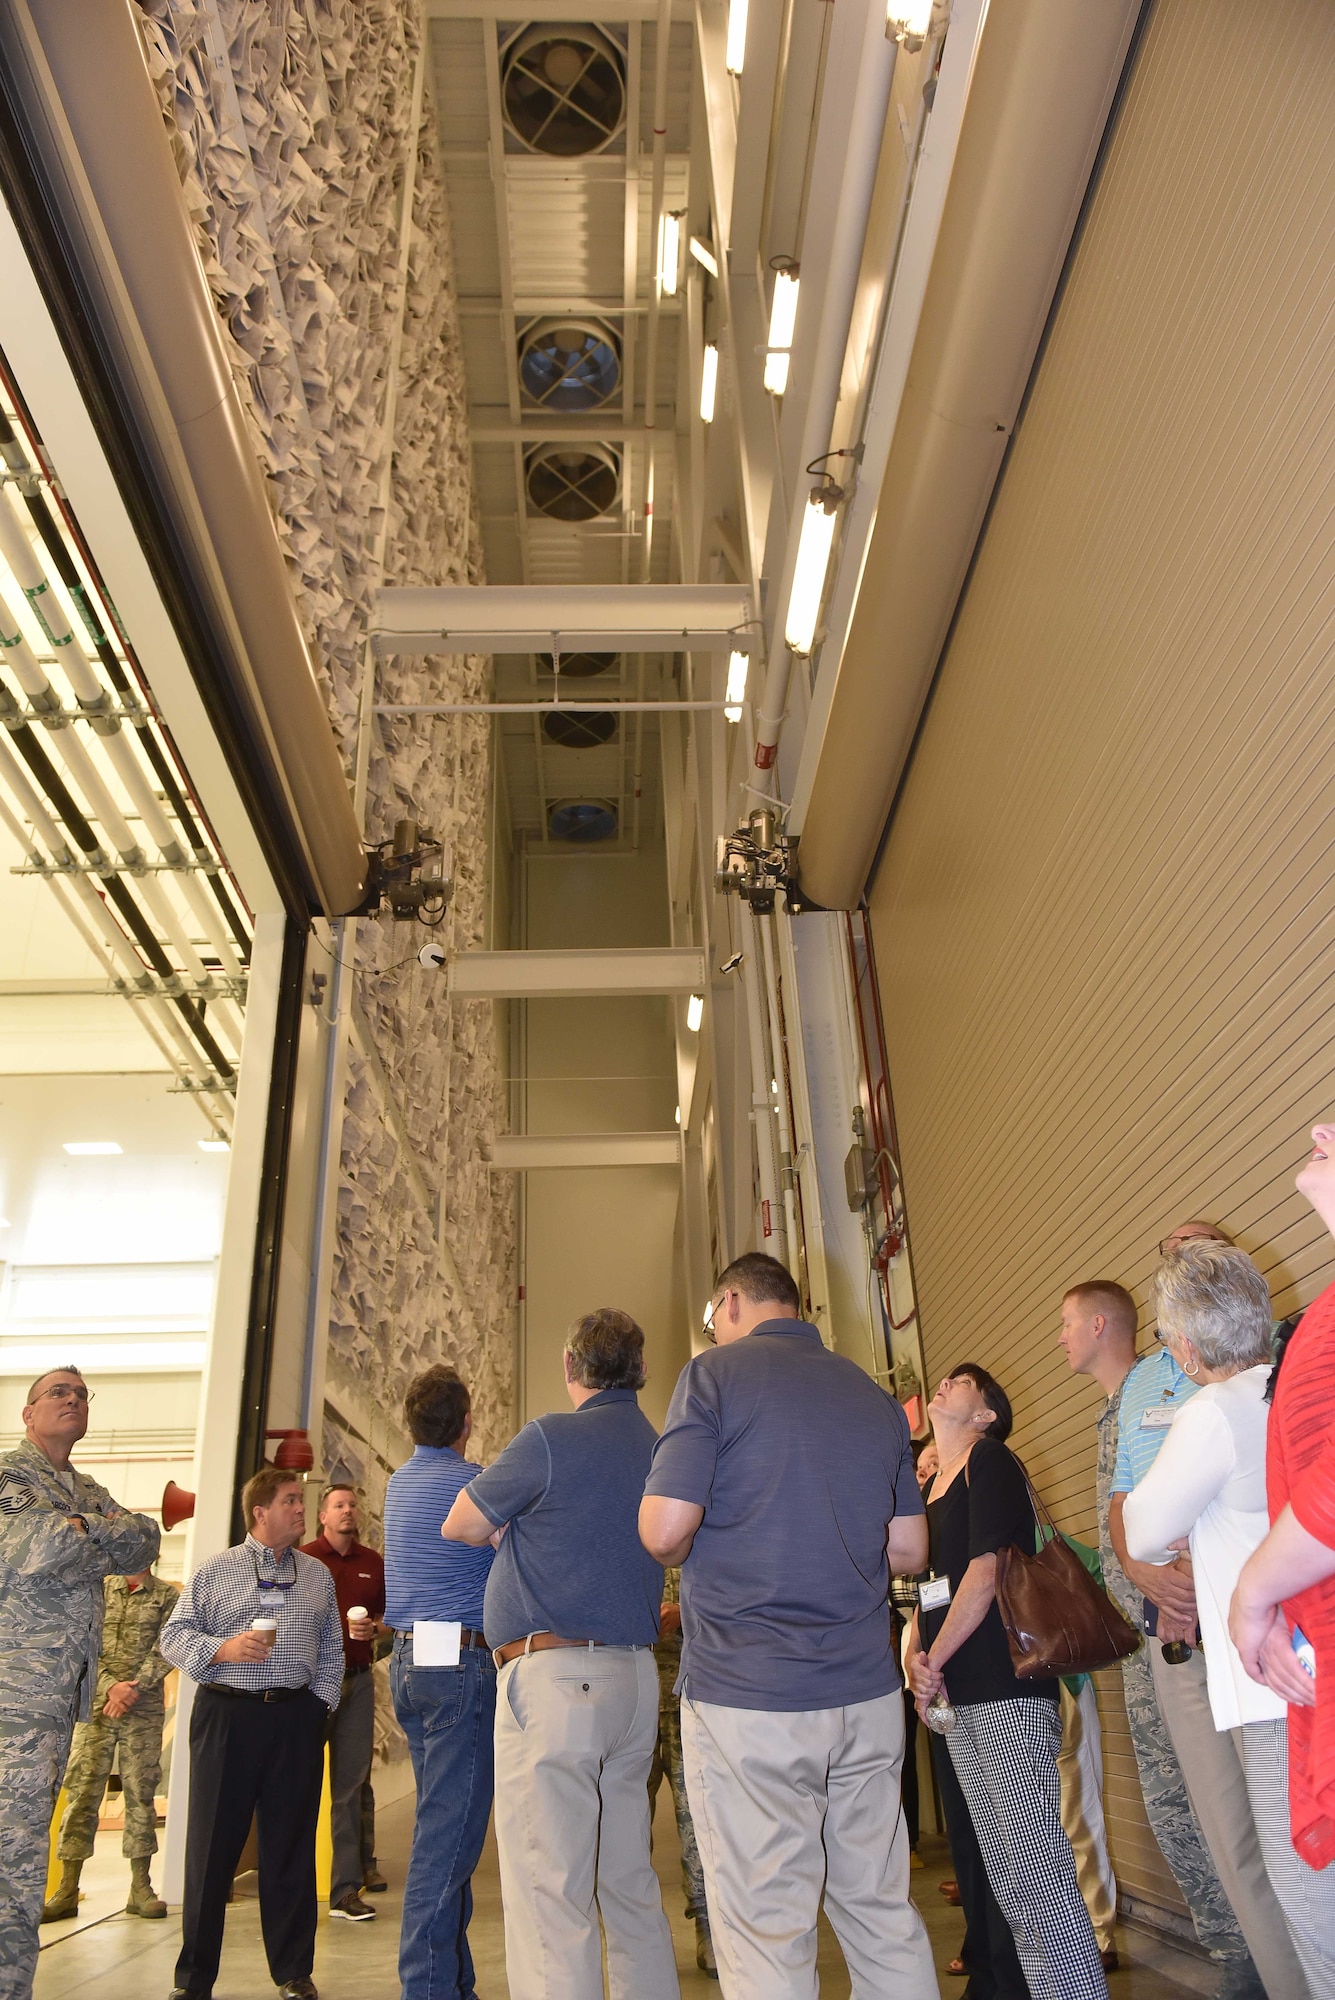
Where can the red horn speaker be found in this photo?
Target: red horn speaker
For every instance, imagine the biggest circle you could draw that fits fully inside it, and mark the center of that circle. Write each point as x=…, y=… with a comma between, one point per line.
x=294, y=1453
x=177, y=1505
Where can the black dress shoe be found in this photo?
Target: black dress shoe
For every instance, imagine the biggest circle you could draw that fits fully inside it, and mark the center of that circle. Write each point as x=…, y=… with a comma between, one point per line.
x=189, y=1993
x=298, y=1989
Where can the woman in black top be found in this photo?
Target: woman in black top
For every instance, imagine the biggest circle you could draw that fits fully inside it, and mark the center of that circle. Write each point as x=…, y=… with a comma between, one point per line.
x=1007, y=1732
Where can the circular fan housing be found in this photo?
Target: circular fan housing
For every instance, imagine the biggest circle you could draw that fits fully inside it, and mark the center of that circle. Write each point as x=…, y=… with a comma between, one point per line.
x=582, y=820
x=569, y=365
x=572, y=482
x=577, y=730
x=564, y=89
x=578, y=666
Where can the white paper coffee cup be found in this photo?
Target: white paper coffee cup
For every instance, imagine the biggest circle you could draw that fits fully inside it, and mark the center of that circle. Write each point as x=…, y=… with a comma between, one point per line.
x=356, y=1613
x=267, y=1629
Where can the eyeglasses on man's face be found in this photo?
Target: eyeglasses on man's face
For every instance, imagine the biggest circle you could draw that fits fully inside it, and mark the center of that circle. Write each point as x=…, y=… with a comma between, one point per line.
x=66, y=1392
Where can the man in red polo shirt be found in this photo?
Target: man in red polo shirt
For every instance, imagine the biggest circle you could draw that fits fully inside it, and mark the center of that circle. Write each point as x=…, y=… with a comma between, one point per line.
x=359, y=1581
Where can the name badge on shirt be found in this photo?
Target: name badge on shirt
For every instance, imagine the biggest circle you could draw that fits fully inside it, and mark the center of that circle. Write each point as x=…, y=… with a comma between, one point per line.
x=1159, y=1416
x=436, y=1642
x=934, y=1593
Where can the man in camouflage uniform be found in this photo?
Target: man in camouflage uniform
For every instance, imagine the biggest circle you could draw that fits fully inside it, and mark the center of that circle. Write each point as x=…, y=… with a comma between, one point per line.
x=667, y=1761
x=1099, y=1336
x=60, y=1534
x=127, y=1718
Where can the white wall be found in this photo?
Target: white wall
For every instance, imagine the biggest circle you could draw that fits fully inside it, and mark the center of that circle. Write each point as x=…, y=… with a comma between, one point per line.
x=598, y=1237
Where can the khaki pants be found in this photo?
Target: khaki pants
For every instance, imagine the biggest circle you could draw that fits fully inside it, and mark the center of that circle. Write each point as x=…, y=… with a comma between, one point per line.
x=575, y=1735
x=788, y=1805
x=1212, y=1769
x=1080, y=1768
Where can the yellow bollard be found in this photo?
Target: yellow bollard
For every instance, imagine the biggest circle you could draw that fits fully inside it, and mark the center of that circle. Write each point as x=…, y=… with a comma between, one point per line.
x=52, y=1865
x=324, y=1839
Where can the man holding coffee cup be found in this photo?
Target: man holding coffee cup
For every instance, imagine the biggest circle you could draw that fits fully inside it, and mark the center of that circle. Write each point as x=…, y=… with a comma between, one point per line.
x=258, y=1629
x=359, y=1581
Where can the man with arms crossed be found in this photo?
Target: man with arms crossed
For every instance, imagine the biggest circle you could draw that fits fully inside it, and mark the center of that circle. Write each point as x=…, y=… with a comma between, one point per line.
x=784, y=1485
x=257, y=1731
x=359, y=1584
x=60, y=1534
x=1098, y=1337
x=573, y=1612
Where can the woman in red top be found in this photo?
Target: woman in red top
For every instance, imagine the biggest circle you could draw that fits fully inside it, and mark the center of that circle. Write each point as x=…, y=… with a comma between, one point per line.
x=1291, y=1578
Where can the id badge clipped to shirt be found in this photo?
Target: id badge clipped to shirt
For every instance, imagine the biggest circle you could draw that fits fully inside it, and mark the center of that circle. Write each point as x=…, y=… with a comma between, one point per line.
x=934, y=1595
x=436, y=1642
x=1159, y=1416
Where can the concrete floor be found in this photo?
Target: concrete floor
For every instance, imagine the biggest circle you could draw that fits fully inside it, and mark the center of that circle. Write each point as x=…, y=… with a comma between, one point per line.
x=118, y=1957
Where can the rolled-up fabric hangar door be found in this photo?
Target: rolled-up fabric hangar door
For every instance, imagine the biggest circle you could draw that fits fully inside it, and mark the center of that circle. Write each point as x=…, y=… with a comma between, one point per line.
x=1104, y=911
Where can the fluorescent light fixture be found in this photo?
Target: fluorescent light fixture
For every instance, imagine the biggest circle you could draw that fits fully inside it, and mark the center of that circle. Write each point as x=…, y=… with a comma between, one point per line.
x=782, y=321
x=677, y=1114
x=734, y=54
x=669, y=253
x=81, y=1147
x=709, y=383
x=704, y=255
x=214, y=1145
x=5, y=1222
x=735, y=692
x=695, y=1012
x=813, y=559
x=907, y=21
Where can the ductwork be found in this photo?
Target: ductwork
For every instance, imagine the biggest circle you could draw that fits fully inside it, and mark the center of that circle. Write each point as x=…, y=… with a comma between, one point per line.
x=79, y=85
x=1045, y=79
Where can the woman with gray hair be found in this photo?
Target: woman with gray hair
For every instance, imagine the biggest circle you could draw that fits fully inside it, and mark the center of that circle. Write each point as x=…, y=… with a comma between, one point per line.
x=1207, y=1489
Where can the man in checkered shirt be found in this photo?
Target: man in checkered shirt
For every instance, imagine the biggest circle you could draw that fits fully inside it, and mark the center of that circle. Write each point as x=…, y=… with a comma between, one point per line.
x=257, y=1733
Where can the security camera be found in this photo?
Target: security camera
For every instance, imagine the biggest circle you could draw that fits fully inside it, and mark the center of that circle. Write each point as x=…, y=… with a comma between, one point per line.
x=731, y=964
x=432, y=956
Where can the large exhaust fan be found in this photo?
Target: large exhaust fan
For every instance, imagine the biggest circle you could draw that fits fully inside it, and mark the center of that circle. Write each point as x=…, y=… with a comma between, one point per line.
x=572, y=482
x=564, y=89
x=569, y=365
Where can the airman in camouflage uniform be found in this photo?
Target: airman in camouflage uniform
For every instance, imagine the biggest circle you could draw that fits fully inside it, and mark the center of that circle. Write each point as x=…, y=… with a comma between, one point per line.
x=60, y=1534
x=667, y=1762
x=127, y=1717
x=1167, y=1807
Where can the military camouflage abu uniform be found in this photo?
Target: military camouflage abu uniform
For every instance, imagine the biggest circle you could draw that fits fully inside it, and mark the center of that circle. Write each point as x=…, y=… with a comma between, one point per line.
x=667, y=1755
x=129, y=1653
x=50, y=1636
x=1167, y=1807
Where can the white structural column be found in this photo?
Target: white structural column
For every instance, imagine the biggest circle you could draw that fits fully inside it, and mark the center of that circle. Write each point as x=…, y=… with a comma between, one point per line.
x=224, y=1363
x=570, y=975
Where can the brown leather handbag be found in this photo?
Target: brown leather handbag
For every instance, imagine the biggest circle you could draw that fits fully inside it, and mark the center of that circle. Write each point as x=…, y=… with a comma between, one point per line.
x=1057, y=1619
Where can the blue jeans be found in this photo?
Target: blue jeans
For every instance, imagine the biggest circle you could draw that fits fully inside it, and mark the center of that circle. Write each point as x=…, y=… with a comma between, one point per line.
x=448, y=1715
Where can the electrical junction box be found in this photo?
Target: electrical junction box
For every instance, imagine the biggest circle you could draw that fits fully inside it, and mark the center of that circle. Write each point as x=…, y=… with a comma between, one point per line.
x=860, y=1177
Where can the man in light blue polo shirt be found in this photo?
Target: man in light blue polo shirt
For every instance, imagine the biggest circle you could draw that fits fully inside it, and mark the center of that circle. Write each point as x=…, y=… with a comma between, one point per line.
x=1153, y=1393
x=784, y=1485
x=444, y=1686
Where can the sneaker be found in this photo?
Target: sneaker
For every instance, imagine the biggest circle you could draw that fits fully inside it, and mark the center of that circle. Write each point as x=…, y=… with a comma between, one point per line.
x=352, y=1907
x=373, y=1881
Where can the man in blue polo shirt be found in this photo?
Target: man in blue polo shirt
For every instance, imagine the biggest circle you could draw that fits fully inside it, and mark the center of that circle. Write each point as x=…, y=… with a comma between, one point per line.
x=784, y=1485
x=444, y=1686
x=573, y=1611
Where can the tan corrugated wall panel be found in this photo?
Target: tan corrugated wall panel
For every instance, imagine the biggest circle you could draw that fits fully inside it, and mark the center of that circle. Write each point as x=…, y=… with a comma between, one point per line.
x=1105, y=914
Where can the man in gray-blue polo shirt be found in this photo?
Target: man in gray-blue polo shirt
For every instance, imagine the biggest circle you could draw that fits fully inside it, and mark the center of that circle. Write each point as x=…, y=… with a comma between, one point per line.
x=572, y=1611
x=784, y=1485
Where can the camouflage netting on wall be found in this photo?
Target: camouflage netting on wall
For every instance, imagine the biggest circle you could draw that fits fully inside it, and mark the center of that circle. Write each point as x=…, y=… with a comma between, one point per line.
x=292, y=122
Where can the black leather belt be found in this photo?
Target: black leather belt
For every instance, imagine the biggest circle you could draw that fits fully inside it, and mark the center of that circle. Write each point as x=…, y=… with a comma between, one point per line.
x=468, y=1640
x=351, y=1673
x=254, y=1694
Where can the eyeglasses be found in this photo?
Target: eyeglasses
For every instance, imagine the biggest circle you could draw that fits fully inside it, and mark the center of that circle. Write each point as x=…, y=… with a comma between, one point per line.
x=68, y=1392
x=710, y=1335
x=1175, y=1242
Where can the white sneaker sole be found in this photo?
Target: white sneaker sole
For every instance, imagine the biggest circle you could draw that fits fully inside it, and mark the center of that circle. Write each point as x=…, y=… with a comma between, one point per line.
x=354, y=1916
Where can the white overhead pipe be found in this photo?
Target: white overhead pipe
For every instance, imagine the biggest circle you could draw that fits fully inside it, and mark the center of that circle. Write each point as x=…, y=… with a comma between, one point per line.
x=116, y=948
x=765, y=925
x=864, y=123
x=93, y=698
x=762, y=1098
